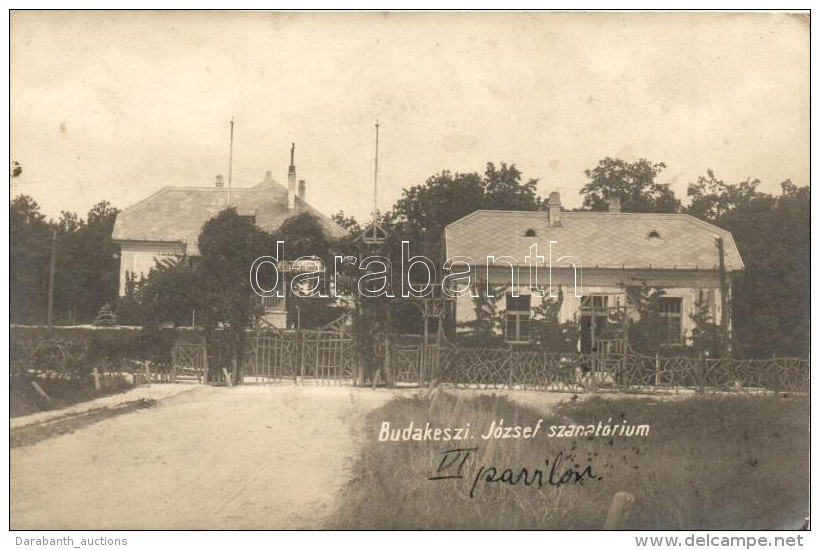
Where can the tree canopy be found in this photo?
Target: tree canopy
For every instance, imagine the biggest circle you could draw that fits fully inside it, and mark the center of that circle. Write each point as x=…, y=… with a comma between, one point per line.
x=770, y=300
x=633, y=182
x=712, y=199
x=86, y=274
x=423, y=211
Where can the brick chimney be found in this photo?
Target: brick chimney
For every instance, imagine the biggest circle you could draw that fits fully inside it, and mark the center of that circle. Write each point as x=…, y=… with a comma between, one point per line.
x=555, y=209
x=219, y=181
x=615, y=204
x=292, y=179
x=302, y=190
x=268, y=175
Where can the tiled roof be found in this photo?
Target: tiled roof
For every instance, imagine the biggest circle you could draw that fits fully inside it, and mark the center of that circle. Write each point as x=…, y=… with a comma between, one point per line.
x=597, y=239
x=178, y=213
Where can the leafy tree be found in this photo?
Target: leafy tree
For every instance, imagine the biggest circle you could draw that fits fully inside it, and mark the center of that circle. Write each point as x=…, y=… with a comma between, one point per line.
x=348, y=222
x=423, y=211
x=705, y=339
x=770, y=300
x=419, y=217
x=213, y=288
x=69, y=222
x=712, y=198
x=129, y=307
x=548, y=332
x=304, y=235
x=504, y=189
x=29, y=260
x=87, y=274
x=487, y=320
x=168, y=295
x=228, y=246
x=646, y=334
x=101, y=257
x=634, y=182
x=486, y=327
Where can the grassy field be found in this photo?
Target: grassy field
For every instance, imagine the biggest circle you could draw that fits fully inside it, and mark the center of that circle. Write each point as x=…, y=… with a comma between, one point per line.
x=709, y=462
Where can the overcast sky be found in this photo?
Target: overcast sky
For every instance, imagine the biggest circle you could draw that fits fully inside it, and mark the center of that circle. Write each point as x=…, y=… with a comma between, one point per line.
x=114, y=106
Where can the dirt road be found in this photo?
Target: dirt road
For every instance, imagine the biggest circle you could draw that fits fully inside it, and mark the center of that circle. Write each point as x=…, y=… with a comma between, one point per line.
x=252, y=457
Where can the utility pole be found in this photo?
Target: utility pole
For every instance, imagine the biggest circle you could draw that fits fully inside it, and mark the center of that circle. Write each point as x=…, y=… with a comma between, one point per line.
x=230, y=168
x=50, y=315
x=724, y=300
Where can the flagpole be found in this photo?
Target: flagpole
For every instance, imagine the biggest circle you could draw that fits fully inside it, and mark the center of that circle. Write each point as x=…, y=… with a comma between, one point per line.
x=376, y=178
x=230, y=169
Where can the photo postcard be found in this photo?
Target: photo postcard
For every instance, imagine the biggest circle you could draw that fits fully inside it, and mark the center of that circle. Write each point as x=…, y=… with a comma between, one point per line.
x=402, y=270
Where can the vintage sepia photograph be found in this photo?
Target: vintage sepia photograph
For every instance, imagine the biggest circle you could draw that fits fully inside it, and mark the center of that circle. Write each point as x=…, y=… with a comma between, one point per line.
x=405, y=270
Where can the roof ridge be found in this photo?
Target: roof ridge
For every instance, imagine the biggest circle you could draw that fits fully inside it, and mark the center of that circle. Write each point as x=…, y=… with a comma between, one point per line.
x=482, y=211
x=215, y=188
x=321, y=214
x=200, y=188
x=138, y=204
x=692, y=235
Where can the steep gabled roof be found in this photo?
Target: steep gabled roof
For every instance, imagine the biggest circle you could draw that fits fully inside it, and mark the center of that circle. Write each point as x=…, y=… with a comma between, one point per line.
x=178, y=213
x=597, y=239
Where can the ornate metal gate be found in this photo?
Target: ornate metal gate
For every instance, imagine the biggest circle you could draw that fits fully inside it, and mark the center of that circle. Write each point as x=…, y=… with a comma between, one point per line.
x=190, y=360
x=326, y=355
x=320, y=355
x=273, y=356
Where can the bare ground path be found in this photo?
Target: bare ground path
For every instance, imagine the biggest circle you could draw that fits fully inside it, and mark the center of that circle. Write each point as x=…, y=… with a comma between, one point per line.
x=250, y=457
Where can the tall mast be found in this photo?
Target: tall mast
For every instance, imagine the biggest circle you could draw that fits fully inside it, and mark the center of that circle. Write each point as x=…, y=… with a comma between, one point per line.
x=376, y=178
x=230, y=168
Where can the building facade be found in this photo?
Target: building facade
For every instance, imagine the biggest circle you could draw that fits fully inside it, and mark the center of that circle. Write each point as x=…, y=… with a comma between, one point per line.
x=168, y=223
x=600, y=262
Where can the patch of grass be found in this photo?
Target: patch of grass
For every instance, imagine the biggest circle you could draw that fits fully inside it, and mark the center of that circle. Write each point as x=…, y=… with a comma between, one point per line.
x=29, y=435
x=709, y=462
x=24, y=400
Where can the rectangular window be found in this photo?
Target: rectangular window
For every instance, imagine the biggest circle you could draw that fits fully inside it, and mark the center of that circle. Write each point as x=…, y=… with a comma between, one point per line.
x=517, y=319
x=596, y=302
x=671, y=314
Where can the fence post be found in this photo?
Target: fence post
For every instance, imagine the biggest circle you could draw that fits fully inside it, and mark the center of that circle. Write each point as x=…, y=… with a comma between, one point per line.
x=316, y=353
x=619, y=510
x=300, y=338
x=256, y=368
x=40, y=390
x=657, y=368
x=205, y=366
x=388, y=361
x=96, y=374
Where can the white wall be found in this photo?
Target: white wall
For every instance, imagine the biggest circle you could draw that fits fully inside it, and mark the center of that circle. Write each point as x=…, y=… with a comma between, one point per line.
x=139, y=257
x=690, y=286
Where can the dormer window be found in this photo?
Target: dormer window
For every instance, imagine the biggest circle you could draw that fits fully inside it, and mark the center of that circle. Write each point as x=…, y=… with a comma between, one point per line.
x=653, y=235
x=530, y=233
